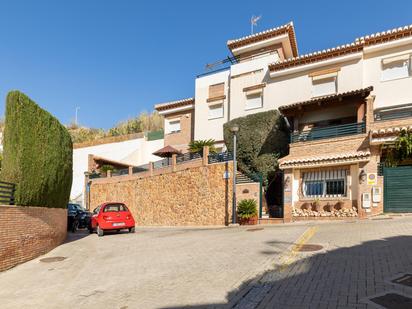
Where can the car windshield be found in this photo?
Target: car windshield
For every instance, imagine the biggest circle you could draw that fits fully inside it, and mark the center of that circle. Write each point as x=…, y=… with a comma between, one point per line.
x=114, y=207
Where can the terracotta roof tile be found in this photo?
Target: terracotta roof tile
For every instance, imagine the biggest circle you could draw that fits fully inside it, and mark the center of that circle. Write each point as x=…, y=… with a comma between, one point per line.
x=267, y=34
x=174, y=104
x=291, y=161
x=356, y=46
x=390, y=131
x=328, y=98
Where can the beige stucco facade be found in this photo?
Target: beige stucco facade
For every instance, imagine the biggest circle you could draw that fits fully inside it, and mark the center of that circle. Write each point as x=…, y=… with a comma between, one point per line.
x=267, y=68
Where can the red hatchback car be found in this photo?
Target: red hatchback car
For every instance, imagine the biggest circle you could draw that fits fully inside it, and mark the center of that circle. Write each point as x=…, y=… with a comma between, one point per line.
x=111, y=216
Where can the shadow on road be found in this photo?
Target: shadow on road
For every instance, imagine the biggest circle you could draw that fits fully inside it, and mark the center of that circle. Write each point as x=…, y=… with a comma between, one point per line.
x=79, y=234
x=345, y=277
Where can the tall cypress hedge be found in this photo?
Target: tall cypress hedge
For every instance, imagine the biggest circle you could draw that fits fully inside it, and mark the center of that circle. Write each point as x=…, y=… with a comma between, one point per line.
x=262, y=139
x=37, y=154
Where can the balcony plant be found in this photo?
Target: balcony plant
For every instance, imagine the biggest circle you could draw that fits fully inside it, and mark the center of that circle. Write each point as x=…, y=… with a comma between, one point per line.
x=105, y=168
x=247, y=211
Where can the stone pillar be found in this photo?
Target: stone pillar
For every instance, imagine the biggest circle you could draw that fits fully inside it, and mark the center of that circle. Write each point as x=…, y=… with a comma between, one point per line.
x=361, y=112
x=288, y=195
x=174, y=156
x=151, y=168
x=369, y=112
x=109, y=173
x=90, y=163
x=130, y=170
x=205, y=155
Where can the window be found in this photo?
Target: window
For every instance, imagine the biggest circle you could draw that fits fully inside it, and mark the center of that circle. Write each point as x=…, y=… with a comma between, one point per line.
x=172, y=126
x=324, y=85
x=215, y=111
x=396, y=67
x=331, y=183
x=253, y=101
x=114, y=208
x=217, y=90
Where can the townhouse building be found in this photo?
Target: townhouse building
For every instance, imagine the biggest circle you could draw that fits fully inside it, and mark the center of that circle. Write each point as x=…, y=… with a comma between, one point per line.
x=345, y=107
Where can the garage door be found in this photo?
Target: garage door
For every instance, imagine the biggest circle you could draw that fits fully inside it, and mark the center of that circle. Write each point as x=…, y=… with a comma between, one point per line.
x=398, y=189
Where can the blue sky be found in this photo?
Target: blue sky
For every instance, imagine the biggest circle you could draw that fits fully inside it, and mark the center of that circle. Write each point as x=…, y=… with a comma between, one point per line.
x=115, y=59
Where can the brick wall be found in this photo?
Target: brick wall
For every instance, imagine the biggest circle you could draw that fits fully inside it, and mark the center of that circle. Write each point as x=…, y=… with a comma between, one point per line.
x=27, y=232
x=197, y=195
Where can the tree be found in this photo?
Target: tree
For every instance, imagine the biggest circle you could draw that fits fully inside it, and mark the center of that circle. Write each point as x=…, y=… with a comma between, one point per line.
x=197, y=146
x=37, y=154
x=262, y=139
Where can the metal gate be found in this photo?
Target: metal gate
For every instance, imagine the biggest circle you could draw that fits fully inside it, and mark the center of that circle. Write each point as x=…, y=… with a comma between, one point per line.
x=398, y=189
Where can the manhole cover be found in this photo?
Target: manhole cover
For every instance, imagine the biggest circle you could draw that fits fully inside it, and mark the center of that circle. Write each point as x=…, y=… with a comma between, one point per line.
x=393, y=301
x=255, y=229
x=404, y=280
x=53, y=259
x=308, y=248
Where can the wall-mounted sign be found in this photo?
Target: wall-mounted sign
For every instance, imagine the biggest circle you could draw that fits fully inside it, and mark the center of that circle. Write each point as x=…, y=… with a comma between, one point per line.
x=226, y=175
x=372, y=178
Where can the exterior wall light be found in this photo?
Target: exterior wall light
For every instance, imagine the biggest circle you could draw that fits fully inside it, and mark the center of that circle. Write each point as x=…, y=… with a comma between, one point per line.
x=362, y=176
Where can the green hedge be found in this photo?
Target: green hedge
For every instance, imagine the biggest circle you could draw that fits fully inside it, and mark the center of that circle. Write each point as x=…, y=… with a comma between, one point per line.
x=262, y=139
x=37, y=154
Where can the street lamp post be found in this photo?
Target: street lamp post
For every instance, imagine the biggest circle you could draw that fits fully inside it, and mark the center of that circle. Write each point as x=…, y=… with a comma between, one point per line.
x=234, y=129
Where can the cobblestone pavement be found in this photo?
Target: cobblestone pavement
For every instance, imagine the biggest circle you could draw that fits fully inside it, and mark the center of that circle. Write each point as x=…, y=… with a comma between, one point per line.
x=153, y=268
x=358, y=261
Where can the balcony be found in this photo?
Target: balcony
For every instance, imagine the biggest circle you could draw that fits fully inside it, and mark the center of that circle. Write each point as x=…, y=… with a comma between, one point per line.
x=329, y=132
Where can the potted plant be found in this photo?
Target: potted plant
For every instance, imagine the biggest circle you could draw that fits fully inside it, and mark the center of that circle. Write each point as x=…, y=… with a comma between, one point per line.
x=247, y=212
x=340, y=204
x=316, y=204
x=105, y=168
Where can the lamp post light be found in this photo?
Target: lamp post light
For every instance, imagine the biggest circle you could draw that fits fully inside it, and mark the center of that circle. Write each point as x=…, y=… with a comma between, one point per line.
x=234, y=129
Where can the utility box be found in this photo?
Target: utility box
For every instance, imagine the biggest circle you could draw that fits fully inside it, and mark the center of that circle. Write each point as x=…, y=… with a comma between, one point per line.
x=366, y=200
x=376, y=194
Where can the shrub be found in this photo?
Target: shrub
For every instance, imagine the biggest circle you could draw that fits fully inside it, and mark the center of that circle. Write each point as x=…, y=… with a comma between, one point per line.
x=37, y=154
x=247, y=209
x=261, y=140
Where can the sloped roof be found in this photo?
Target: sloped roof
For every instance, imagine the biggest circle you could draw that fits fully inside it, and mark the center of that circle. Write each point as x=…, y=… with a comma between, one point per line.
x=264, y=35
x=356, y=46
x=291, y=161
x=174, y=104
x=363, y=92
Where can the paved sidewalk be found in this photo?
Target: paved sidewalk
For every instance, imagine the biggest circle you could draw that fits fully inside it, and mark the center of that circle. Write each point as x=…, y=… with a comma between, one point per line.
x=153, y=268
x=358, y=261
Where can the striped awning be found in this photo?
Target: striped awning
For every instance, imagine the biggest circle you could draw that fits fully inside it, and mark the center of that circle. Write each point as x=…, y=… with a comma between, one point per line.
x=325, y=175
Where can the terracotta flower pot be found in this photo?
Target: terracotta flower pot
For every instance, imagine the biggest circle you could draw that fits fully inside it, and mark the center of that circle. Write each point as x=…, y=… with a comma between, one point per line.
x=248, y=221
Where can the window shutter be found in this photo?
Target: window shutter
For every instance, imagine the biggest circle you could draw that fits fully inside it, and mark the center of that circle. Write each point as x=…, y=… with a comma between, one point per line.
x=217, y=90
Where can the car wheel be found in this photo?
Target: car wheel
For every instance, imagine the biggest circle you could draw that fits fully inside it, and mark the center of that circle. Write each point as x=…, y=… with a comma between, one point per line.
x=100, y=232
x=132, y=230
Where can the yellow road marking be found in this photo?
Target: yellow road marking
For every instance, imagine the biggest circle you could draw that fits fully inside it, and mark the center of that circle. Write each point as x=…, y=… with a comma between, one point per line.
x=290, y=257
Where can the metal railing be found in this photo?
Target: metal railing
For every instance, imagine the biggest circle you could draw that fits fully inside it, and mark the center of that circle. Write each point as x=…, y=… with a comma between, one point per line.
x=120, y=172
x=394, y=112
x=140, y=169
x=183, y=158
x=7, y=190
x=220, y=157
x=162, y=163
x=329, y=132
